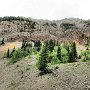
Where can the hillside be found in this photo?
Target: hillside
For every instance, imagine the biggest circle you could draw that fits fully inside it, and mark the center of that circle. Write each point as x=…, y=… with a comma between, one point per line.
x=18, y=28
x=24, y=57
x=23, y=75
x=4, y=48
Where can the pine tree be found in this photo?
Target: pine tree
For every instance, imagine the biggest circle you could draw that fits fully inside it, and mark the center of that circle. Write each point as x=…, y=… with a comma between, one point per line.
x=54, y=42
x=43, y=60
x=47, y=44
x=51, y=45
x=71, y=57
x=66, y=46
x=57, y=43
x=12, y=52
x=74, y=50
x=23, y=45
x=59, y=56
x=69, y=54
x=8, y=53
x=37, y=45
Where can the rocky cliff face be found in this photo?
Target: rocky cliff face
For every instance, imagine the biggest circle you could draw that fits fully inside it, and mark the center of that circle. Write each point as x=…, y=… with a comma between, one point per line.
x=17, y=28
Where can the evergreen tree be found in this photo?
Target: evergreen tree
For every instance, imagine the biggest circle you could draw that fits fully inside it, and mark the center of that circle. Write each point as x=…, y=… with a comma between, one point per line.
x=59, y=56
x=57, y=43
x=47, y=44
x=37, y=45
x=8, y=53
x=23, y=44
x=29, y=45
x=71, y=57
x=66, y=46
x=12, y=52
x=54, y=42
x=51, y=45
x=74, y=50
x=43, y=60
x=69, y=54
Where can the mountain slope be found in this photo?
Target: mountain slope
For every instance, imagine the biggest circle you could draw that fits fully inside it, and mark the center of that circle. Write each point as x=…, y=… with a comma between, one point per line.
x=23, y=75
x=18, y=28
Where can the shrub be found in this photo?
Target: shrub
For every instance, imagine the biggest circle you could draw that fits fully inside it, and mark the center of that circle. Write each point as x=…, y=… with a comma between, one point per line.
x=85, y=55
x=17, y=55
x=64, y=59
x=52, y=58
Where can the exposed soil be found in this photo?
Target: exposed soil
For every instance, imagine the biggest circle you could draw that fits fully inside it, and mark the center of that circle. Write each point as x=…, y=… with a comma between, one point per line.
x=24, y=75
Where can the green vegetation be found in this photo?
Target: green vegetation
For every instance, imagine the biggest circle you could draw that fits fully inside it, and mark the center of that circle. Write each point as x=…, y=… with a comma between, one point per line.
x=11, y=54
x=43, y=60
x=16, y=55
x=74, y=50
x=85, y=55
x=48, y=53
x=66, y=26
x=52, y=53
x=7, y=18
x=87, y=45
x=59, y=56
x=37, y=45
x=51, y=45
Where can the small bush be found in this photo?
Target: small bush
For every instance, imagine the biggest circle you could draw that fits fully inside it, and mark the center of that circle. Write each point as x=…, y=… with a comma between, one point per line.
x=65, y=59
x=52, y=58
x=17, y=55
x=85, y=55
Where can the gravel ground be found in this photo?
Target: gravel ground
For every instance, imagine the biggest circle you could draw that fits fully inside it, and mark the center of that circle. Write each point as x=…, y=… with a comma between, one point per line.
x=23, y=75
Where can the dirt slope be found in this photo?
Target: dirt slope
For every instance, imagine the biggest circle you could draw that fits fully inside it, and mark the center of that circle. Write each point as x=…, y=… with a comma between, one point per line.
x=71, y=29
x=23, y=75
